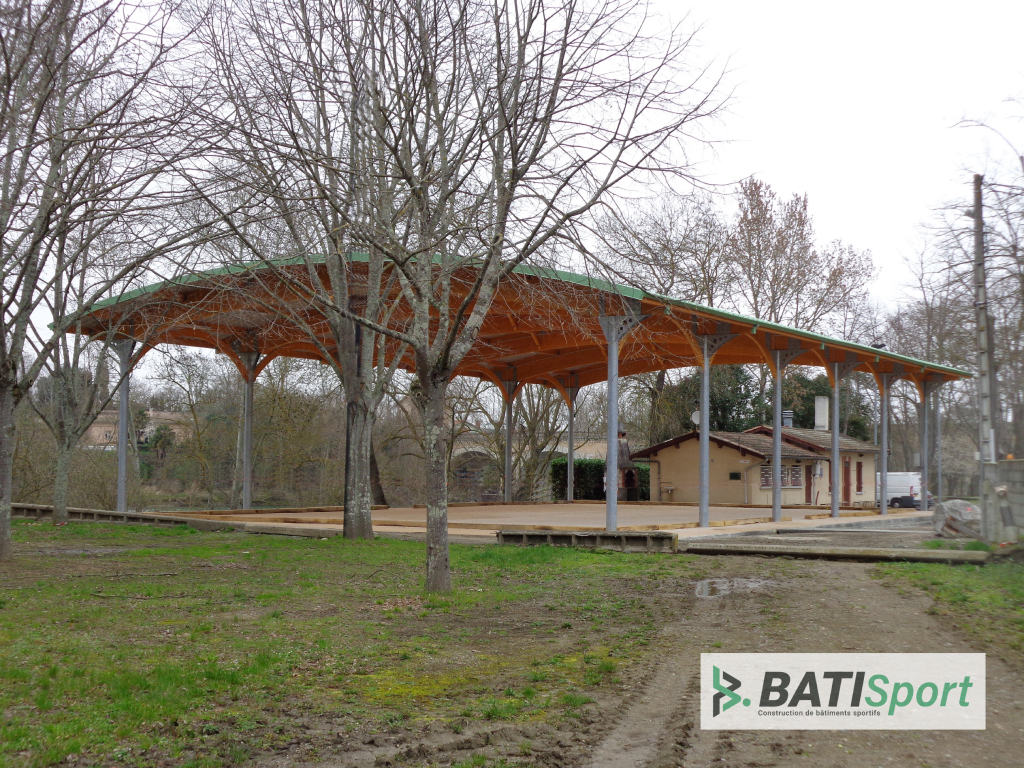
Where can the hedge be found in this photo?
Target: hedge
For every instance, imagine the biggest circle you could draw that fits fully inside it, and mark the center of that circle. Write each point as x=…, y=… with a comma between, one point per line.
x=589, y=479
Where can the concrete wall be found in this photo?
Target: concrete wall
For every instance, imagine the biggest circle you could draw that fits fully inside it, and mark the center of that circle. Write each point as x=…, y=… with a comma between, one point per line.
x=678, y=467
x=1011, y=474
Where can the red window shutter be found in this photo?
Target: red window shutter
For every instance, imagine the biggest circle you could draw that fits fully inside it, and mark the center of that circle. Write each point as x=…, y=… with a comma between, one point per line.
x=860, y=477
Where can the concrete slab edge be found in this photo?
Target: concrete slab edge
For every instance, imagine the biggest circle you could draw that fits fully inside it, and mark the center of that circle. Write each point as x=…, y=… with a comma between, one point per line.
x=839, y=553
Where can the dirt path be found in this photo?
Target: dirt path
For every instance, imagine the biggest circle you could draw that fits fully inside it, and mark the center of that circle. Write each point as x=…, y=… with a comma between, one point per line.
x=633, y=741
x=819, y=607
x=652, y=721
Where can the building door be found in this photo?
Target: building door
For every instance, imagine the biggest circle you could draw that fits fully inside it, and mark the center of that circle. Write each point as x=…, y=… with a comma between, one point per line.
x=846, y=481
x=808, y=481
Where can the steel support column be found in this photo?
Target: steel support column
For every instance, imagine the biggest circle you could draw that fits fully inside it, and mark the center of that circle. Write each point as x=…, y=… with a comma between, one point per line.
x=250, y=360
x=570, y=467
x=883, y=447
x=938, y=447
x=611, y=464
x=834, y=469
x=509, y=434
x=123, y=349
x=615, y=328
x=704, y=428
x=710, y=343
x=777, y=440
x=930, y=387
x=510, y=387
x=922, y=424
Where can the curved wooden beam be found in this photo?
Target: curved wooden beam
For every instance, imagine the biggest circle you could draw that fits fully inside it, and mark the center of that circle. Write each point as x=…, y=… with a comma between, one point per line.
x=220, y=345
x=825, y=363
x=556, y=385
x=283, y=350
x=765, y=353
x=481, y=373
x=687, y=334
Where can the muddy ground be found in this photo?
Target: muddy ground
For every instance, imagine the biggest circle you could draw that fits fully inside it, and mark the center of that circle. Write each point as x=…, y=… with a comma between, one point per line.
x=651, y=719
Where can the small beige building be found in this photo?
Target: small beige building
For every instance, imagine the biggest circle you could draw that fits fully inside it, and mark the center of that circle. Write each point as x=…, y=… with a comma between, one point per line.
x=103, y=431
x=740, y=470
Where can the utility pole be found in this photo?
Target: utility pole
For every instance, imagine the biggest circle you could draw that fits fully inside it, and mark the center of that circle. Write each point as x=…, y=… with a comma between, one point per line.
x=991, y=524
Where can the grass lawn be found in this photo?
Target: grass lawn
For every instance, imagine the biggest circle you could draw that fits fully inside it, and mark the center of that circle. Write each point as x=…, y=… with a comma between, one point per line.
x=144, y=646
x=986, y=602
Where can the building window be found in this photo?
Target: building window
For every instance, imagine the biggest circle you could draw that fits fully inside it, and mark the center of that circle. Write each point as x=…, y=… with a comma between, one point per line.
x=735, y=476
x=860, y=477
x=792, y=477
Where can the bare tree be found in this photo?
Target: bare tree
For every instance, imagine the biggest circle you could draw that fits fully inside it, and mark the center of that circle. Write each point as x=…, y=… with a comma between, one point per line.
x=540, y=421
x=677, y=246
x=76, y=384
x=188, y=376
x=89, y=139
x=446, y=142
x=292, y=149
x=493, y=128
x=944, y=303
x=782, y=275
x=75, y=388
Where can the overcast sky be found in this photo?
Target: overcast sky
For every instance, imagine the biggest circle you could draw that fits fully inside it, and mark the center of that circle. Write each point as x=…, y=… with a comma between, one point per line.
x=856, y=104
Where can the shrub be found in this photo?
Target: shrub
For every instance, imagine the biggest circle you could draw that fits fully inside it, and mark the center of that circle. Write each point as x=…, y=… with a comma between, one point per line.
x=589, y=479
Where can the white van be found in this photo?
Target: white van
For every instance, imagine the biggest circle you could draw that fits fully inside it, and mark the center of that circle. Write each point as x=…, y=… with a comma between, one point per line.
x=904, y=489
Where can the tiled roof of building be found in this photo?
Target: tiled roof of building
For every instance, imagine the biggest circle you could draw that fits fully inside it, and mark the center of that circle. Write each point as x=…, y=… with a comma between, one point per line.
x=816, y=439
x=745, y=442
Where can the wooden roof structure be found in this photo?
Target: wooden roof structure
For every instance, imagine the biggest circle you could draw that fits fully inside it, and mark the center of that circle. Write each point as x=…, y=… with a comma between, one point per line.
x=542, y=328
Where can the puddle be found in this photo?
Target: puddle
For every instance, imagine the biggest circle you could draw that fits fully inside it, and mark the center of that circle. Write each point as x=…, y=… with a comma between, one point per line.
x=719, y=587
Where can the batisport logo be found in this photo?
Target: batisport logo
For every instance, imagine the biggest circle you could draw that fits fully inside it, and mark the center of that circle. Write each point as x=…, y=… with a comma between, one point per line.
x=842, y=691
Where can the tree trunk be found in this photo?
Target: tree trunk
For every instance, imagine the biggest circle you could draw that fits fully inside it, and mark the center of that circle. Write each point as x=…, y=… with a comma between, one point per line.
x=762, y=389
x=358, y=429
x=377, y=489
x=6, y=470
x=439, y=576
x=654, y=428
x=60, y=485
